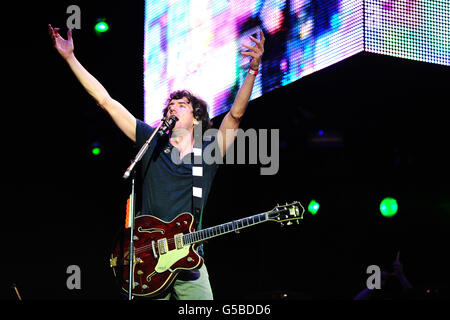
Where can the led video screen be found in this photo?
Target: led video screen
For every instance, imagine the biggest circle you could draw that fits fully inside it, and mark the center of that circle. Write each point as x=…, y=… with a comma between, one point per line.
x=417, y=30
x=195, y=44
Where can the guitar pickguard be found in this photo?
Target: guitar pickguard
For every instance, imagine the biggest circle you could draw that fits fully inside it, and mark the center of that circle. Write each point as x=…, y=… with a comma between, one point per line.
x=168, y=259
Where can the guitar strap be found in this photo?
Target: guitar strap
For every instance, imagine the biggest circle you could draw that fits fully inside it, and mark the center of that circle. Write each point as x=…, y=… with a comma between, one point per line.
x=197, y=176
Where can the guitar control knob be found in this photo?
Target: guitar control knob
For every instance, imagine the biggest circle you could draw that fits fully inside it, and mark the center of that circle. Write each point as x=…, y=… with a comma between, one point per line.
x=140, y=272
x=178, y=224
x=189, y=259
x=144, y=286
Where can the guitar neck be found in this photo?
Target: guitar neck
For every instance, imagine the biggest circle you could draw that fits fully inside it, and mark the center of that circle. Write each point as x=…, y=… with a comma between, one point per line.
x=225, y=228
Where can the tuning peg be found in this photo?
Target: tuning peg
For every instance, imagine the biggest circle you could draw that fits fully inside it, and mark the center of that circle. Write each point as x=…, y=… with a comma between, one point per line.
x=289, y=223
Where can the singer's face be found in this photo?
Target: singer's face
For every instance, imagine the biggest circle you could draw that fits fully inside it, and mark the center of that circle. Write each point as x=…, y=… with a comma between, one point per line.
x=183, y=110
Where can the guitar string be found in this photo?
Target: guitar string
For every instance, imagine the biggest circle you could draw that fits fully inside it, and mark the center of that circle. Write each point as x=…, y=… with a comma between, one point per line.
x=170, y=241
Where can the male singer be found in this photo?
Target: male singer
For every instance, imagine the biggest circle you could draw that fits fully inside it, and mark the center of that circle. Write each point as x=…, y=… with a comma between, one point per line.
x=174, y=196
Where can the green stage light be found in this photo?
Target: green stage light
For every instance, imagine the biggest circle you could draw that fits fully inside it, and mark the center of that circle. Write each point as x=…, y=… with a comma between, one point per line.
x=388, y=207
x=96, y=151
x=101, y=27
x=313, y=207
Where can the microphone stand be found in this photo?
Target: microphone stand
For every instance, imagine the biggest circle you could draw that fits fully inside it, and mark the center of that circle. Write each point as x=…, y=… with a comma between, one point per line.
x=131, y=213
x=167, y=125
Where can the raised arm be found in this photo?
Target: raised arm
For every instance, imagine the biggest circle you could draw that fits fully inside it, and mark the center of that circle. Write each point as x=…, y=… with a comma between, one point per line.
x=232, y=119
x=120, y=115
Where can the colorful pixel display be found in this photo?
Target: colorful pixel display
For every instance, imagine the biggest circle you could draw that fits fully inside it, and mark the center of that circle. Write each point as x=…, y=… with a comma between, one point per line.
x=411, y=29
x=196, y=44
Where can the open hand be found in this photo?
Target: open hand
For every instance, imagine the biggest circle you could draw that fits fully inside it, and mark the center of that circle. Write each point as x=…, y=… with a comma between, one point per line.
x=255, y=52
x=63, y=46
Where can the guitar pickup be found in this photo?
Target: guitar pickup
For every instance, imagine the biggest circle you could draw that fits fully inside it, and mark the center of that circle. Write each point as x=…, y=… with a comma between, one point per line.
x=163, y=246
x=179, y=241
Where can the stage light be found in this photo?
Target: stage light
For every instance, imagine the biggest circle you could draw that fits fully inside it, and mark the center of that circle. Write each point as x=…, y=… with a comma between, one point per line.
x=388, y=207
x=313, y=207
x=96, y=151
x=101, y=26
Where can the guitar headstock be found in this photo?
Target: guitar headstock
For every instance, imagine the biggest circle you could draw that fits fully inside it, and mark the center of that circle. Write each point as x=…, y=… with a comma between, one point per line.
x=287, y=213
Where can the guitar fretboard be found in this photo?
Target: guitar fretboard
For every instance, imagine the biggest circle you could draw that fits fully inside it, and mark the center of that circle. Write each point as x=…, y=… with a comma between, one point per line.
x=235, y=225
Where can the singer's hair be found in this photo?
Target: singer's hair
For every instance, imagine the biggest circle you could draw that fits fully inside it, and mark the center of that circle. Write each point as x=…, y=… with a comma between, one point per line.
x=200, y=107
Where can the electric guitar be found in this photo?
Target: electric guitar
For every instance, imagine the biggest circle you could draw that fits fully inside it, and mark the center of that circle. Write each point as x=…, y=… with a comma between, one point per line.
x=163, y=249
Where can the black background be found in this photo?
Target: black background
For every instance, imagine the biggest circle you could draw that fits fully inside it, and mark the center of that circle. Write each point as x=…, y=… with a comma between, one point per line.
x=61, y=206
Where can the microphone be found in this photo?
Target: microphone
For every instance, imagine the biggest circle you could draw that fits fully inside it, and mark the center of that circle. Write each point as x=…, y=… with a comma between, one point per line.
x=167, y=125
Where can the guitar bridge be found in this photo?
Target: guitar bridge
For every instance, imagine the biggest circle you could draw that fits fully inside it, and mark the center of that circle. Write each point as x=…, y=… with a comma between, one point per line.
x=154, y=250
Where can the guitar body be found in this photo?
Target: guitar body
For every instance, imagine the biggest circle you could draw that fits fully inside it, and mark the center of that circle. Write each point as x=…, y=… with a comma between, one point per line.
x=164, y=249
x=160, y=254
